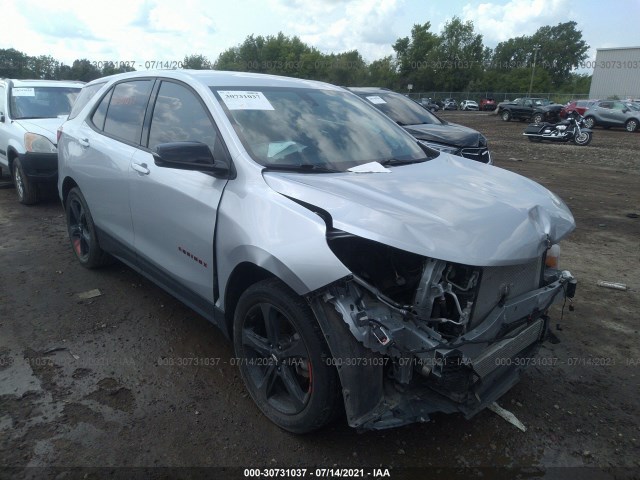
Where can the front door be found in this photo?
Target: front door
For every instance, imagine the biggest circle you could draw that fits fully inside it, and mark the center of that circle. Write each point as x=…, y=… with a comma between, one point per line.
x=174, y=211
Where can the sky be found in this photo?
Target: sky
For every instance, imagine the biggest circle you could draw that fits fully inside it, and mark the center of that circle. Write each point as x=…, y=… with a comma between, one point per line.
x=145, y=31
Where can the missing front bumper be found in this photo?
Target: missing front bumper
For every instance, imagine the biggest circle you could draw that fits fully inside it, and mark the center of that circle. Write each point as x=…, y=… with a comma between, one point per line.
x=473, y=371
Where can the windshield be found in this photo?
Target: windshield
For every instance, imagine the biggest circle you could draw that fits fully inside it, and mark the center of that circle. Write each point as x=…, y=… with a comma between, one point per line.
x=316, y=130
x=42, y=102
x=401, y=109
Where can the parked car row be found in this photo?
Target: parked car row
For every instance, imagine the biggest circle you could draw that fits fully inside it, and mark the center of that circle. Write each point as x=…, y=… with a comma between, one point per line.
x=352, y=259
x=603, y=113
x=486, y=104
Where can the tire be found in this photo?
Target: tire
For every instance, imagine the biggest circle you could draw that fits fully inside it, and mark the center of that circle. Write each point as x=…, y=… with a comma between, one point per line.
x=589, y=122
x=535, y=139
x=583, y=139
x=505, y=115
x=82, y=232
x=538, y=118
x=26, y=190
x=282, y=357
x=631, y=125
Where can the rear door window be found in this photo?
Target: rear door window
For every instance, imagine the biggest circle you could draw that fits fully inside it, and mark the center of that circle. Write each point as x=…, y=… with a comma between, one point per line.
x=86, y=94
x=127, y=106
x=101, y=112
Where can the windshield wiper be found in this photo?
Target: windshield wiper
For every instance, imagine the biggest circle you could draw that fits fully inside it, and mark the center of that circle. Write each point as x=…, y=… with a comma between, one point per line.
x=304, y=168
x=396, y=161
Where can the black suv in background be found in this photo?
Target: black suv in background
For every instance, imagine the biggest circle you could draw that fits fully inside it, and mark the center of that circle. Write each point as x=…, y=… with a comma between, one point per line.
x=427, y=127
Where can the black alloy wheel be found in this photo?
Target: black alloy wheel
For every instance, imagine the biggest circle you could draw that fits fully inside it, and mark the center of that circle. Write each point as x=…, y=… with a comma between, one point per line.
x=282, y=357
x=82, y=231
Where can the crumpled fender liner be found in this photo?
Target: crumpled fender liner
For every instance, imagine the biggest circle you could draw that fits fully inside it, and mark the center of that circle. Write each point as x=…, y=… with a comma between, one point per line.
x=362, y=382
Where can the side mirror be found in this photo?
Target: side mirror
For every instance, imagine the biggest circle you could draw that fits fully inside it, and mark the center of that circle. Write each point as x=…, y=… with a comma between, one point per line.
x=625, y=110
x=187, y=156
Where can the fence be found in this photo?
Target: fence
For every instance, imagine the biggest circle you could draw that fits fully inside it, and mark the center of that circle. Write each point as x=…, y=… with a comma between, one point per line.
x=498, y=96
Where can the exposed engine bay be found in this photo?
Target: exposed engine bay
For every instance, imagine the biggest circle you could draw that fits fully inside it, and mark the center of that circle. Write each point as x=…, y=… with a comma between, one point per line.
x=455, y=330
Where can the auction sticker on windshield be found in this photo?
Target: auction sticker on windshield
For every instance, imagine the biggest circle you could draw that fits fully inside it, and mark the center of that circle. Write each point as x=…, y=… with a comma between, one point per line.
x=23, y=92
x=375, y=99
x=242, y=100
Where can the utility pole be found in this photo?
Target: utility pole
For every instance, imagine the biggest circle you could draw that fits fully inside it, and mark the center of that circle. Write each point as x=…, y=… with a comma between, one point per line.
x=533, y=70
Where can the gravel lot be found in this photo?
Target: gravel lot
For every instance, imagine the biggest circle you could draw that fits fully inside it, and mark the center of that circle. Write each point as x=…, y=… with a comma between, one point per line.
x=89, y=382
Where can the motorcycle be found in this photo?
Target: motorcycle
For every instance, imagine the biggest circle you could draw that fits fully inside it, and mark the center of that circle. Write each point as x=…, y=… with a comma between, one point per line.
x=571, y=129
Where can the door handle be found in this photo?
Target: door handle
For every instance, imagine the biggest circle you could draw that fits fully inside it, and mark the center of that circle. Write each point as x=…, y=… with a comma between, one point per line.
x=84, y=142
x=141, y=168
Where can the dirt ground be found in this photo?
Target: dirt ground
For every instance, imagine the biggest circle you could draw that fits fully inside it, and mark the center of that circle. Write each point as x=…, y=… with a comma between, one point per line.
x=89, y=382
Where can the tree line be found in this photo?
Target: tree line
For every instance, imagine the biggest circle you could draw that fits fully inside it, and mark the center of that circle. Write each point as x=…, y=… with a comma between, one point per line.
x=454, y=60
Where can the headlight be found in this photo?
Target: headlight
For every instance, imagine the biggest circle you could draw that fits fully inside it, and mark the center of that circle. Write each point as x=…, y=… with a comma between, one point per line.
x=440, y=147
x=38, y=143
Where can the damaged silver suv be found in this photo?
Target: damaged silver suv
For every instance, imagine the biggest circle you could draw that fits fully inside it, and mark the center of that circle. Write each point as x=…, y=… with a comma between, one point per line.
x=348, y=262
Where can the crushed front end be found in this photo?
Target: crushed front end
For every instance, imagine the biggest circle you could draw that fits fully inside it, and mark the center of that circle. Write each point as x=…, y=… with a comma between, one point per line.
x=412, y=335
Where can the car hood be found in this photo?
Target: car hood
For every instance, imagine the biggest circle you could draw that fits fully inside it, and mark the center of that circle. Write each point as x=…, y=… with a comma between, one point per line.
x=449, y=134
x=448, y=208
x=47, y=127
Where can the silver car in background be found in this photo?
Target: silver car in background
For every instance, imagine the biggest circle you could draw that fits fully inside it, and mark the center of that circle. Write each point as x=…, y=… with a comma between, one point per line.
x=349, y=263
x=613, y=113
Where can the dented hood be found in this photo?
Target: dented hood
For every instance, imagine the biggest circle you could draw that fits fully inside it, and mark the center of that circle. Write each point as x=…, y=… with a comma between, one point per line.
x=448, y=208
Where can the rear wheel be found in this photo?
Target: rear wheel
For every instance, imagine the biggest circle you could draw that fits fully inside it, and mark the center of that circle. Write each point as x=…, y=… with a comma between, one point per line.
x=26, y=190
x=82, y=232
x=283, y=358
x=631, y=125
x=505, y=115
x=589, y=122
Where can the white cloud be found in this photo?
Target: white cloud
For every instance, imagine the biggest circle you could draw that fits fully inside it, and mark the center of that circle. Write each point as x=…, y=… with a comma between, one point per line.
x=335, y=26
x=500, y=22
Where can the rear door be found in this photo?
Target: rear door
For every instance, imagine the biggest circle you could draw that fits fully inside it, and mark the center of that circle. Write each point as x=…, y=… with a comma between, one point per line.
x=101, y=148
x=174, y=211
x=604, y=113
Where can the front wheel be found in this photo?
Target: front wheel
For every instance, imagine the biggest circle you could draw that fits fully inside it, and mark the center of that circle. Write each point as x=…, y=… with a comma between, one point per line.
x=589, y=122
x=82, y=232
x=538, y=118
x=631, y=125
x=583, y=138
x=26, y=190
x=283, y=358
x=506, y=115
